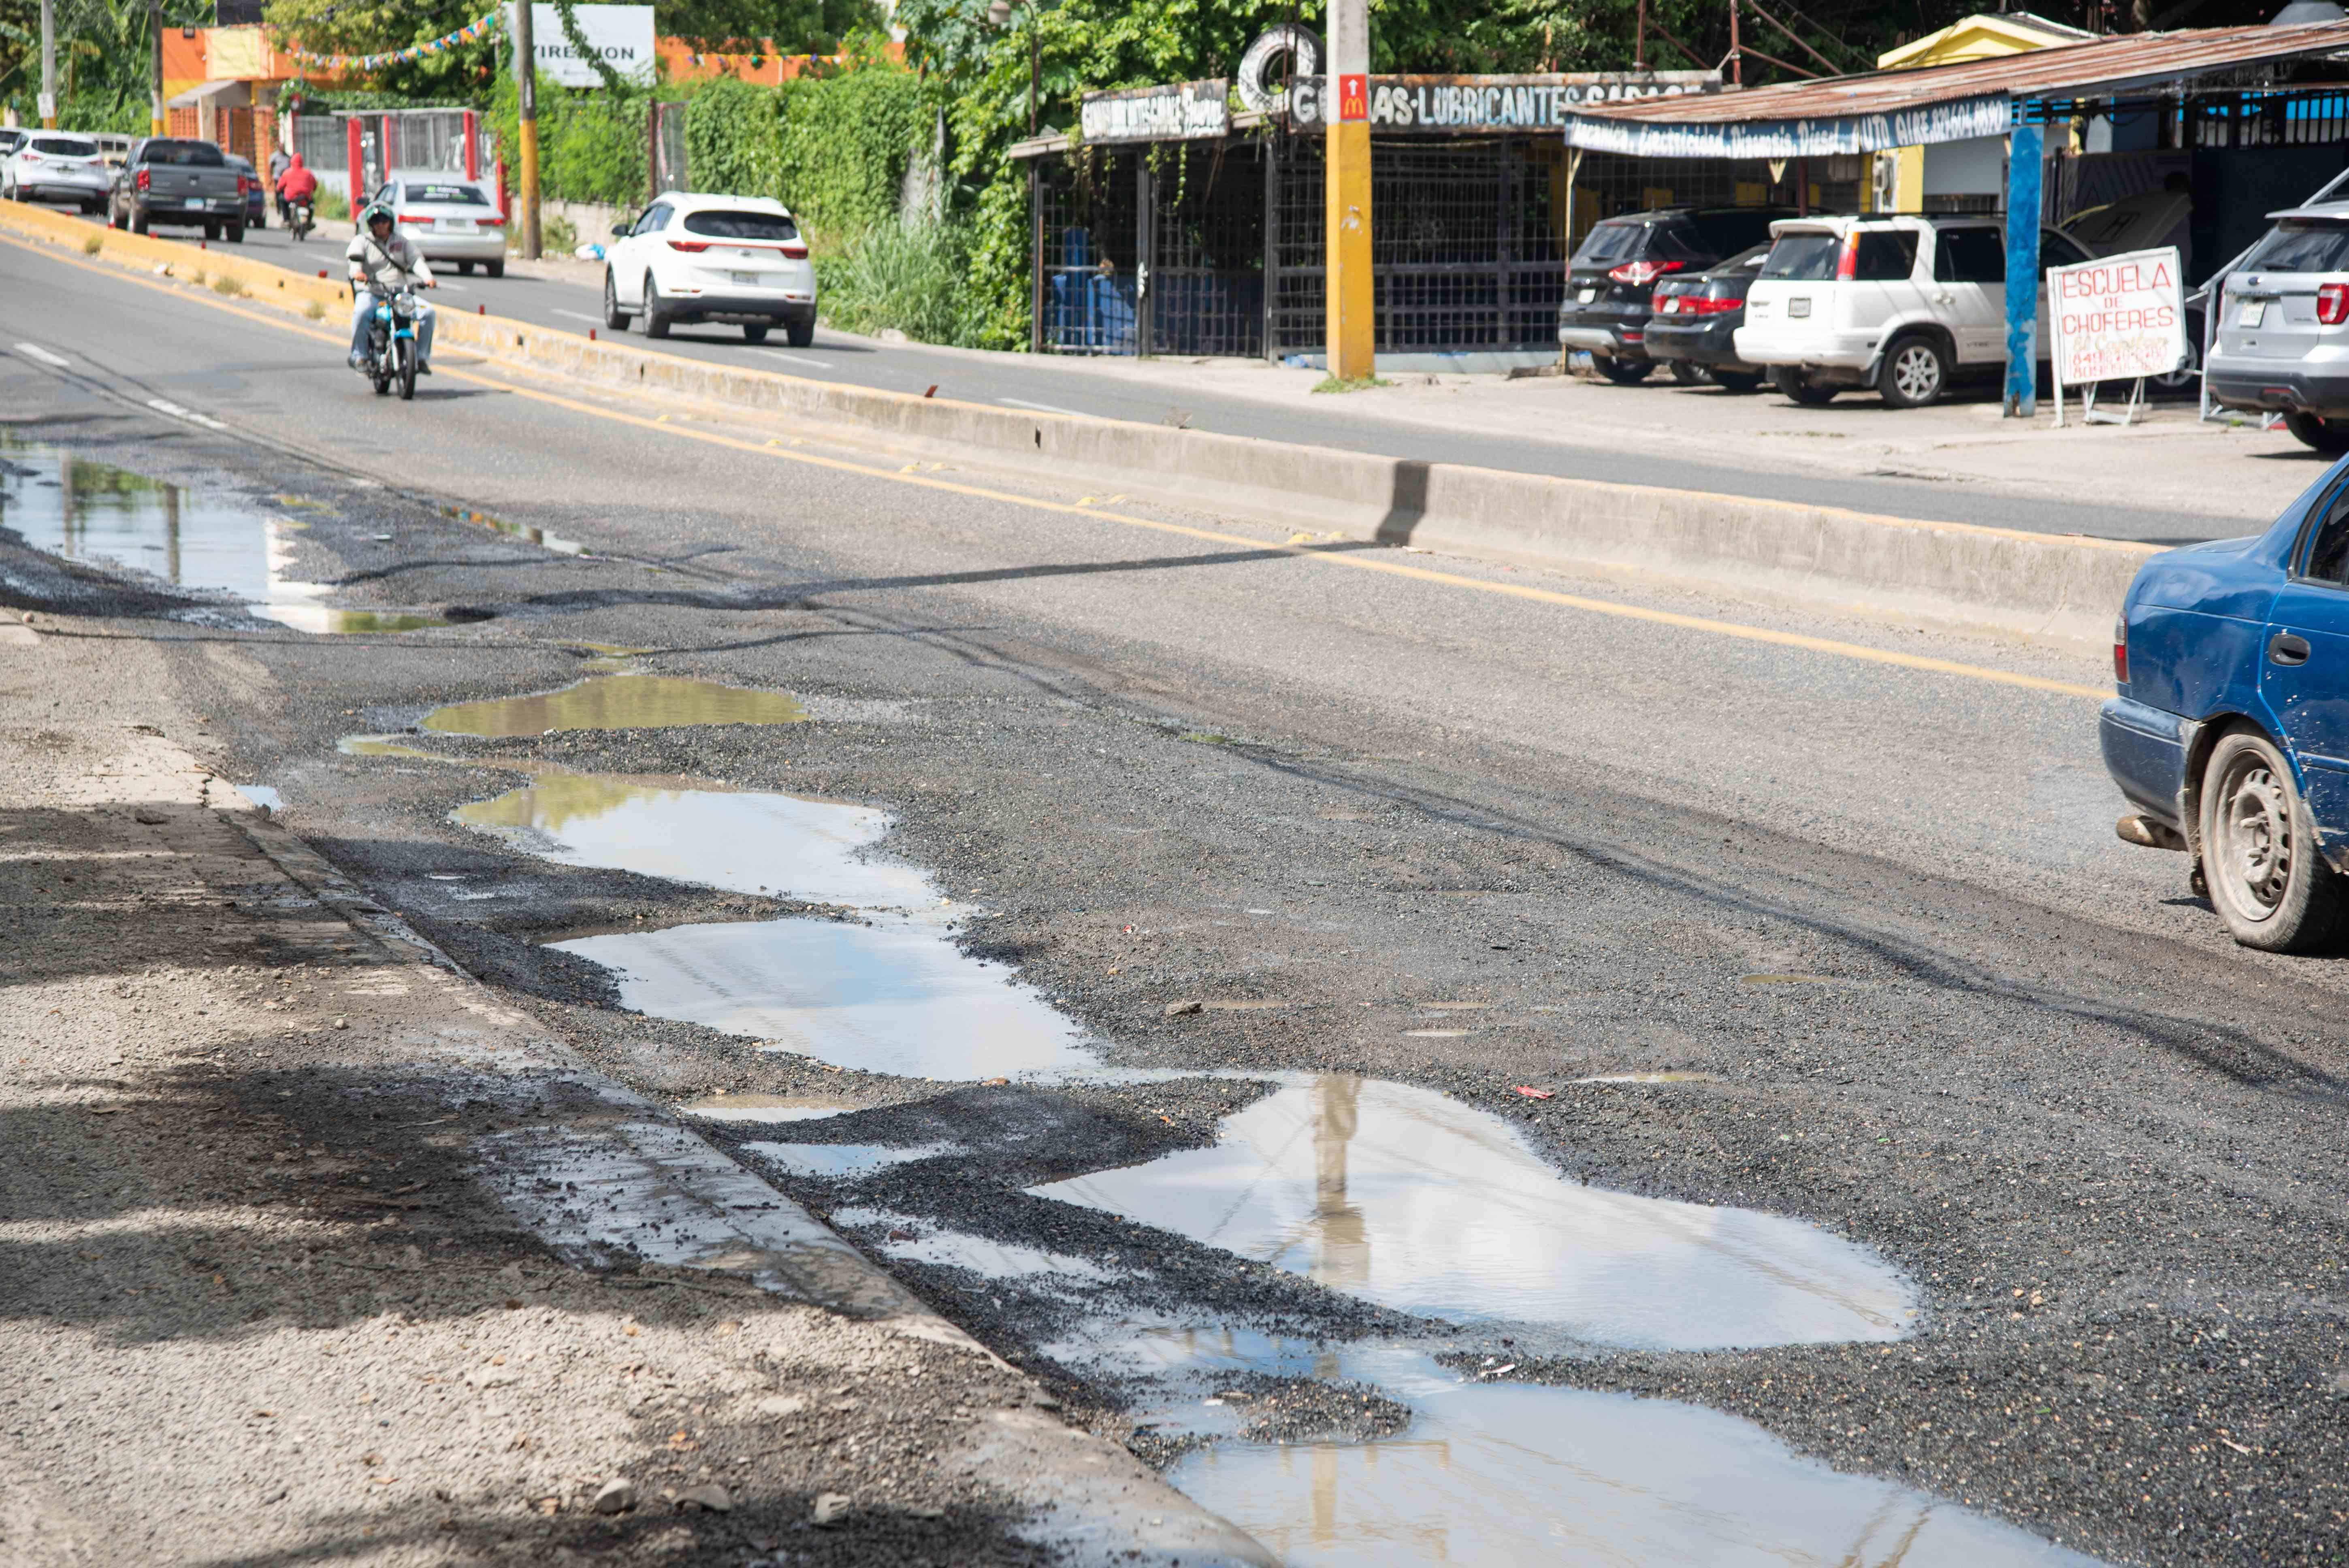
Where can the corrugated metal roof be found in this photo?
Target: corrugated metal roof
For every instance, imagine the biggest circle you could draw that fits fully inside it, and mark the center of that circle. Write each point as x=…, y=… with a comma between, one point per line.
x=2068, y=70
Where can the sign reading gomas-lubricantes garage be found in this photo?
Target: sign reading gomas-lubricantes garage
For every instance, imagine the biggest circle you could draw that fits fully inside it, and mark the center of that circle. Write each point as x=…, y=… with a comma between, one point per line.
x=1449, y=106
x=1178, y=111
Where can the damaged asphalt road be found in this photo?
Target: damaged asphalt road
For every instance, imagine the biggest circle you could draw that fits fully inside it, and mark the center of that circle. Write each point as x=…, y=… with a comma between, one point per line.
x=1759, y=929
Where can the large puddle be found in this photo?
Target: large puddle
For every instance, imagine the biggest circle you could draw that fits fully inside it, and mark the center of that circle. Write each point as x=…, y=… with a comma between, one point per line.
x=617, y=702
x=106, y=516
x=887, y=991
x=1406, y=1198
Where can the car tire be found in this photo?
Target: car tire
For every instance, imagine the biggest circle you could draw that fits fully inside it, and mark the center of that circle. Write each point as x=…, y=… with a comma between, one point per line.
x=2188, y=374
x=754, y=331
x=2319, y=434
x=1689, y=373
x=1800, y=388
x=464, y=269
x=615, y=318
x=403, y=353
x=495, y=269
x=92, y=209
x=800, y=334
x=2259, y=860
x=1738, y=380
x=114, y=219
x=1623, y=372
x=1915, y=373
x=235, y=234
x=140, y=222
x=656, y=319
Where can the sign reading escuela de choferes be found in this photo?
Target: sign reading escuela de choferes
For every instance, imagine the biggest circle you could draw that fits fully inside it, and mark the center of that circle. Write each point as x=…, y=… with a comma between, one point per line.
x=1441, y=106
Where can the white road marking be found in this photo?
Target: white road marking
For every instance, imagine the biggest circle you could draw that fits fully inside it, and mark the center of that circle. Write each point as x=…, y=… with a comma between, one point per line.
x=796, y=358
x=1044, y=407
x=590, y=320
x=34, y=351
x=164, y=406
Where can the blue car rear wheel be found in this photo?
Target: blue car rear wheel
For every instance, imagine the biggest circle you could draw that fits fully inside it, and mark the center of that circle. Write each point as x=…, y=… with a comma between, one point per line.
x=2260, y=858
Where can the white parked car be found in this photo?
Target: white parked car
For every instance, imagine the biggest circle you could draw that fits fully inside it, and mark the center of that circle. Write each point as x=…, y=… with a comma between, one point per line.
x=712, y=258
x=50, y=166
x=1905, y=305
x=449, y=218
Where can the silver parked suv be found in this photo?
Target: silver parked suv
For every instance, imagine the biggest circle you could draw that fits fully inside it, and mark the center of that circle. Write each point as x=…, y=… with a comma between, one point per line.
x=2283, y=328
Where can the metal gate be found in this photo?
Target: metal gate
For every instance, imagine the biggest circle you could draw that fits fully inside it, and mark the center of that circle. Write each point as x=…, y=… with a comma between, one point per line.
x=1089, y=240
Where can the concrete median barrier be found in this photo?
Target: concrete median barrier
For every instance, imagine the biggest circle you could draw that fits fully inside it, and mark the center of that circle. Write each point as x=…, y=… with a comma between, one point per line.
x=2056, y=586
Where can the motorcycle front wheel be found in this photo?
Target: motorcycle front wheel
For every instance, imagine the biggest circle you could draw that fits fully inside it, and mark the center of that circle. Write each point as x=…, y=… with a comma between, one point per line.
x=404, y=350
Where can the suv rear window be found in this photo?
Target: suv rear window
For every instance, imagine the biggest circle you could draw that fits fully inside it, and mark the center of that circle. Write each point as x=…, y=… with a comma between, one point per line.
x=1803, y=258
x=1610, y=242
x=1886, y=255
x=1969, y=256
x=741, y=225
x=2302, y=248
x=450, y=195
x=187, y=154
x=64, y=146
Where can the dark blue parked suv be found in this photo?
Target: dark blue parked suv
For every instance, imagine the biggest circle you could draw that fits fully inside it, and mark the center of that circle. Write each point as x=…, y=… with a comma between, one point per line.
x=2230, y=734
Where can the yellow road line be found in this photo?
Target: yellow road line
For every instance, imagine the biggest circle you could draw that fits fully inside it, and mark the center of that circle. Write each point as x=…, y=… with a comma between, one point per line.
x=1731, y=629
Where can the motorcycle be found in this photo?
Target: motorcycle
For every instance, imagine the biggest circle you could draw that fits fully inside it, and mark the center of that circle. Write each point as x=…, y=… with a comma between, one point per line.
x=391, y=345
x=299, y=220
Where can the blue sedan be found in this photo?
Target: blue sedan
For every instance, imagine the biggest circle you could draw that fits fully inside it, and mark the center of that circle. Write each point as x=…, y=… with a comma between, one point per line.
x=2230, y=734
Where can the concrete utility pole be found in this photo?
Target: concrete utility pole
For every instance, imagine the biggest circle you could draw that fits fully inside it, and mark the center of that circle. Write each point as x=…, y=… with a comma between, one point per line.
x=1346, y=177
x=155, y=67
x=526, y=87
x=48, y=65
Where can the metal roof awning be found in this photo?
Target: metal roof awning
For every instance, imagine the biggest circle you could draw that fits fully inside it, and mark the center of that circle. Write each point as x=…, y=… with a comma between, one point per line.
x=1937, y=103
x=208, y=92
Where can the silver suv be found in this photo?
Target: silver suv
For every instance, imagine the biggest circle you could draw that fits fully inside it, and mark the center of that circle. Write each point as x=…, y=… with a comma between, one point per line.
x=2283, y=328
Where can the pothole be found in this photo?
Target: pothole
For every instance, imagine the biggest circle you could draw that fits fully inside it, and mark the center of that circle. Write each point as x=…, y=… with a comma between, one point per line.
x=617, y=702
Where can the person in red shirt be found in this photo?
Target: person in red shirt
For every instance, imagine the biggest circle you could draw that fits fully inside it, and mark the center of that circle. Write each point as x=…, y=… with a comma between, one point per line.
x=296, y=184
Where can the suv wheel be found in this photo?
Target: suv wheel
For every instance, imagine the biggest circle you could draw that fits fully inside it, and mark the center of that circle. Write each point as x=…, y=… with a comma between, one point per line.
x=1915, y=372
x=615, y=318
x=2259, y=857
x=1799, y=385
x=2327, y=436
x=1623, y=372
x=1689, y=373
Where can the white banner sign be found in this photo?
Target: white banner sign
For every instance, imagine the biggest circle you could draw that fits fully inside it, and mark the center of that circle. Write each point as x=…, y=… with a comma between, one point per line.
x=2118, y=318
x=621, y=34
x=1178, y=111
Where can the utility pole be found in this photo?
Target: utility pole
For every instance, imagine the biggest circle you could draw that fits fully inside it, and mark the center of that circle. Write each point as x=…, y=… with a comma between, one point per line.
x=155, y=67
x=526, y=90
x=1346, y=179
x=48, y=65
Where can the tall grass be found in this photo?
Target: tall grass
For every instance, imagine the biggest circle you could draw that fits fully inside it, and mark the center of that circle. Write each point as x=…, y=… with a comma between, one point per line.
x=914, y=277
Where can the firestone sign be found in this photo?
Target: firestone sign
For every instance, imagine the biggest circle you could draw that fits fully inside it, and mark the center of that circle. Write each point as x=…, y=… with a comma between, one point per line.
x=1436, y=105
x=620, y=36
x=2116, y=318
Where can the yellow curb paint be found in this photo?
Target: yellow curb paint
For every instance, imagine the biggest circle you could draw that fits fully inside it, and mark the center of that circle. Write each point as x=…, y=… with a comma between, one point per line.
x=659, y=426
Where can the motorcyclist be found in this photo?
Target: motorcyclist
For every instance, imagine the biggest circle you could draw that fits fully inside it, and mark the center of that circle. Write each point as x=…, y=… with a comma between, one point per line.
x=295, y=183
x=382, y=261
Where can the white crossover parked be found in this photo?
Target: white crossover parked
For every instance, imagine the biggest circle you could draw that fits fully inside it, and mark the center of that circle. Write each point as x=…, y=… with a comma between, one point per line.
x=1905, y=305
x=49, y=167
x=450, y=219
x=712, y=258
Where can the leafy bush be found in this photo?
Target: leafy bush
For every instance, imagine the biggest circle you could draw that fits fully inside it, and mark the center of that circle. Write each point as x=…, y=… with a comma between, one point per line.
x=833, y=146
x=556, y=236
x=330, y=206
x=913, y=277
x=591, y=145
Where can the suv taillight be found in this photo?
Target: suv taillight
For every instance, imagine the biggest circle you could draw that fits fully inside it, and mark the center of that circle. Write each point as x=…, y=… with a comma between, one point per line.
x=2120, y=647
x=142, y=180
x=1639, y=274
x=245, y=185
x=2332, y=303
x=691, y=247
x=1847, y=264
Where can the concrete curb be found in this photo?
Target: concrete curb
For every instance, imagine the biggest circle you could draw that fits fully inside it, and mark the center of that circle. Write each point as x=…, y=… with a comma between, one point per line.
x=596, y=1162
x=2056, y=586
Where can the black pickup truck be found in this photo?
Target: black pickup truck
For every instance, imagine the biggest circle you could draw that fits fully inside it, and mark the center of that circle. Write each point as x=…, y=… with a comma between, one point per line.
x=174, y=181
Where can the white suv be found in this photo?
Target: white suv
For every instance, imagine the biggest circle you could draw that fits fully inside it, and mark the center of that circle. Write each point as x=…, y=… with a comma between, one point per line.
x=49, y=166
x=1905, y=305
x=712, y=258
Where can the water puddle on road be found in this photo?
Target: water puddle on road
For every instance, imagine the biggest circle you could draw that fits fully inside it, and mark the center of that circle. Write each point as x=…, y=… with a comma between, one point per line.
x=835, y=1161
x=764, y=1108
x=1403, y=1197
x=95, y=512
x=888, y=991
x=617, y=702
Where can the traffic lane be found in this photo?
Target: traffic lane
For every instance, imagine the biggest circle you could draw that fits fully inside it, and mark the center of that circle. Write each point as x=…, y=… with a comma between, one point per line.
x=1997, y=786
x=1021, y=381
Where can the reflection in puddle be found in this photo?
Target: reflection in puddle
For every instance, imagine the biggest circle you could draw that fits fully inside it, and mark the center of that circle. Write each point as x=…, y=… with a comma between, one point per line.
x=892, y=994
x=1508, y=1474
x=763, y=1107
x=96, y=513
x=843, y=1161
x=957, y=1249
x=617, y=702
x=1403, y=1197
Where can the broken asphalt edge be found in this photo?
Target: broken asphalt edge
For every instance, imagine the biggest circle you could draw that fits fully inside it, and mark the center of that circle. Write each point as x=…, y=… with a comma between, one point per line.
x=2057, y=588
x=1090, y=1501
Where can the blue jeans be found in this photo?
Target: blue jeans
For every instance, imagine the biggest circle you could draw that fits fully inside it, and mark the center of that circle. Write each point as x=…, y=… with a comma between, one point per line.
x=364, y=306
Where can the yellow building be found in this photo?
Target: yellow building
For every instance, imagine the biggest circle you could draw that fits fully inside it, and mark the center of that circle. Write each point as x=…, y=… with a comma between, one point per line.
x=1959, y=176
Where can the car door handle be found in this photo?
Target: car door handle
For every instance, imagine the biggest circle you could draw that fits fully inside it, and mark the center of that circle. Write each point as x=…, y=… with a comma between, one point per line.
x=1943, y=298
x=2284, y=648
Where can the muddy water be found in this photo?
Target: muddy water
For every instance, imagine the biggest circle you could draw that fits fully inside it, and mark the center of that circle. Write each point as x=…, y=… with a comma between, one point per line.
x=617, y=702
x=98, y=513
x=1403, y=1197
x=1494, y=1473
x=887, y=991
